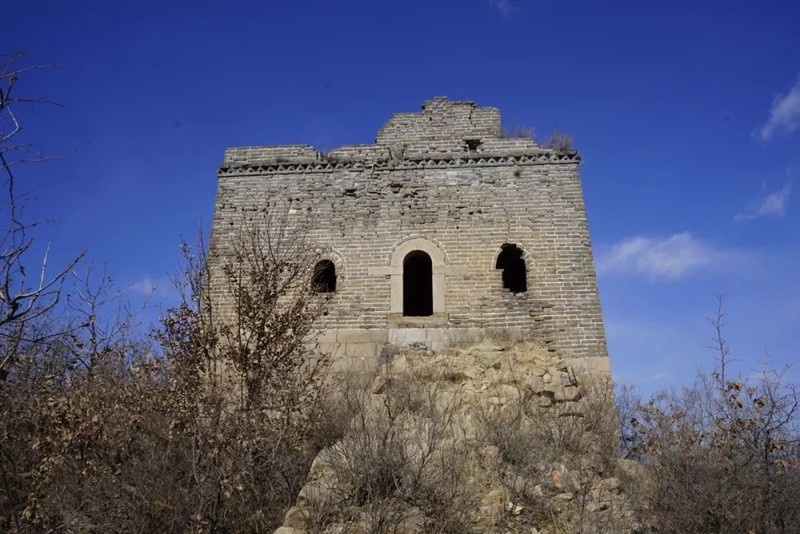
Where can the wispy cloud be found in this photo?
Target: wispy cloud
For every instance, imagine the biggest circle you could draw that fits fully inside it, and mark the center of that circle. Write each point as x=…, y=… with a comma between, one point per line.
x=784, y=114
x=145, y=287
x=773, y=205
x=505, y=7
x=670, y=257
x=161, y=287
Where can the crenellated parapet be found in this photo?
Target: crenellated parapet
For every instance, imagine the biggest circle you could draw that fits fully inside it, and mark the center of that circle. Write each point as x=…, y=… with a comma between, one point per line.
x=444, y=134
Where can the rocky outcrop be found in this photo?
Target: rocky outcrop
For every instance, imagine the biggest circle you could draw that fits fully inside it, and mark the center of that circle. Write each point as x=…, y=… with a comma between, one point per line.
x=485, y=438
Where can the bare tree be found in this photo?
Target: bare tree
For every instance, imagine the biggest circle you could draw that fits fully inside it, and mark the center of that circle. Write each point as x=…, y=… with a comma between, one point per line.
x=250, y=382
x=101, y=431
x=24, y=297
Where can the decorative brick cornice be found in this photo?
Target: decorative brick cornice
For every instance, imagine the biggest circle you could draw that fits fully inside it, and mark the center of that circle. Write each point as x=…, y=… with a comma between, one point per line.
x=323, y=166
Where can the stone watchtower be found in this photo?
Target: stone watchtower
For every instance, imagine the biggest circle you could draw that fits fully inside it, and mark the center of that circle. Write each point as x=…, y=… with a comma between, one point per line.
x=444, y=229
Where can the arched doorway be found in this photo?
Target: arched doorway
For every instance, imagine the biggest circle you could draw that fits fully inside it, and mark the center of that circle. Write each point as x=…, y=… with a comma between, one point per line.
x=417, y=284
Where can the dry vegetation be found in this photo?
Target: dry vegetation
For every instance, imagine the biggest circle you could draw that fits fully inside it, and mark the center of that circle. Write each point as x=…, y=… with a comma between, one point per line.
x=210, y=426
x=463, y=440
x=401, y=463
x=723, y=455
x=559, y=141
x=519, y=132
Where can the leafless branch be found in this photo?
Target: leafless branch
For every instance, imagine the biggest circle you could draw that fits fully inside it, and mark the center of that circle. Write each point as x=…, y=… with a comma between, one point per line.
x=21, y=302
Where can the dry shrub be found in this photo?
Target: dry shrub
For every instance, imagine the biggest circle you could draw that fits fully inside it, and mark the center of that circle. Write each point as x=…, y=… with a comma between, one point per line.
x=402, y=459
x=560, y=141
x=547, y=450
x=723, y=455
x=214, y=432
x=519, y=132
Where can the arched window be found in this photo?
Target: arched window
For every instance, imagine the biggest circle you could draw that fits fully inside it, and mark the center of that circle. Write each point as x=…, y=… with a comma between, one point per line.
x=417, y=284
x=324, y=278
x=514, y=271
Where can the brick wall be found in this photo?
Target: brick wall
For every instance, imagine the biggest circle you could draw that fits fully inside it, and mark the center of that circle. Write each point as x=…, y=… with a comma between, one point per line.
x=445, y=175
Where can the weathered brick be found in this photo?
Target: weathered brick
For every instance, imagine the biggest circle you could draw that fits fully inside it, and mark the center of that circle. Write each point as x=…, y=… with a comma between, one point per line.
x=445, y=177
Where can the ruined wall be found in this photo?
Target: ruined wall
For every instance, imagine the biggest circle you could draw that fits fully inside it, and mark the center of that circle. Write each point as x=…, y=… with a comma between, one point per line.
x=447, y=182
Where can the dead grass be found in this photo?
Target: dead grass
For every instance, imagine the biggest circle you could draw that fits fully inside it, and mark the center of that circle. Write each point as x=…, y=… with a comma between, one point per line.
x=402, y=459
x=519, y=132
x=560, y=141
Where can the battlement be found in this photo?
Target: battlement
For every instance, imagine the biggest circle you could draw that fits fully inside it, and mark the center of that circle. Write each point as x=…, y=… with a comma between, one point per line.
x=271, y=154
x=456, y=132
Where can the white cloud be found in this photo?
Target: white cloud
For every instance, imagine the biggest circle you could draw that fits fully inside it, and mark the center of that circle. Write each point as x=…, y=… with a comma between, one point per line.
x=773, y=205
x=159, y=290
x=505, y=7
x=669, y=257
x=784, y=114
x=145, y=287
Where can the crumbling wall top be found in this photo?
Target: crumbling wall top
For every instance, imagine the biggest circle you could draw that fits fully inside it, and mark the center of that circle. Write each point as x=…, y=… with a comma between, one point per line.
x=444, y=130
x=442, y=118
x=271, y=154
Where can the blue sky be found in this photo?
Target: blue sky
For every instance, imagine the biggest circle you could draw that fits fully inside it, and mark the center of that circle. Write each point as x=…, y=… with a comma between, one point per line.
x=686, y=115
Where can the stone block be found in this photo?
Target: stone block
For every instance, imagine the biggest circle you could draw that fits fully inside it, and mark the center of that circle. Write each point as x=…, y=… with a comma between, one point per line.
x=465, y=335
x=598, y=366
x=567, y=393
x=327, y=336
x=361, y=335
x=407, y=336
x=437, y=335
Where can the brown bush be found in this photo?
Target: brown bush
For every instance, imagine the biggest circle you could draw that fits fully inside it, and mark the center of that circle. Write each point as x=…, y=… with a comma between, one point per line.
x=401, y=462
x=723, y=455
x=519, y=132
x=215, y=432
x=560, y=141
x=547, y=451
